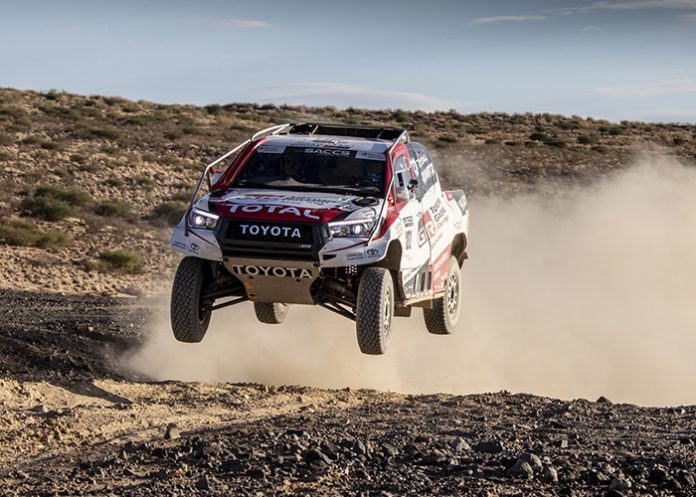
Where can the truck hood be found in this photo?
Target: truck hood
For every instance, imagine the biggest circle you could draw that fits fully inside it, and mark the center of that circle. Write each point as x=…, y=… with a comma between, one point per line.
x=277, y=205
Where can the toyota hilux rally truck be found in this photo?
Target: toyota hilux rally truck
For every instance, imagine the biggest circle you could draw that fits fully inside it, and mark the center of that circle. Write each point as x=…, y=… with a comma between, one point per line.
x=350, y=218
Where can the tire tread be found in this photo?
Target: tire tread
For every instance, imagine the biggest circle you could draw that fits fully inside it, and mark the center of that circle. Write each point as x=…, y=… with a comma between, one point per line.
x=270, y=312
x=186, y=290
x=436, y=319
x=371, y=339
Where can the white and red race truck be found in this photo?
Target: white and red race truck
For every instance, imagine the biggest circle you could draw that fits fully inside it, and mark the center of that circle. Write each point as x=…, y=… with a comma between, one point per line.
x=350, y=218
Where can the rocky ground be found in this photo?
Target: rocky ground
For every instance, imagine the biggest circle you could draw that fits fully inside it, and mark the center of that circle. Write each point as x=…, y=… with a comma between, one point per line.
x=73, y=422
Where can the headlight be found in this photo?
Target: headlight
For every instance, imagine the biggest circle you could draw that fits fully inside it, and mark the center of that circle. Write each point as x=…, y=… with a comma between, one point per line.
x=202, y=219
x=358, y=228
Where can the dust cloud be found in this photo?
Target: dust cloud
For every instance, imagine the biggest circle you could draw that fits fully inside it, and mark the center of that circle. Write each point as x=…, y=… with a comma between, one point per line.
x=585, y=294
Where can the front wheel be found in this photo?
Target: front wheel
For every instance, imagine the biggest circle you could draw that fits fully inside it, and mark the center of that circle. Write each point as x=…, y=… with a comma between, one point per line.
x=374, y=310
x=270, y=312
x=189, y=315
x=443, y=317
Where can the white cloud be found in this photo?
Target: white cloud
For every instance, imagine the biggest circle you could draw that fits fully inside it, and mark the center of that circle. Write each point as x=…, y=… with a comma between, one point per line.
x=689, y=17
x=655, y=88
x=344, y=95
x=632, y=5
x=491, y=20
x=242, y=24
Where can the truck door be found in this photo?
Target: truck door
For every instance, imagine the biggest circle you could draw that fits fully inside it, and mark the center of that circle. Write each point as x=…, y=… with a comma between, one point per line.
x=437, y=222
x=436, y=218
x=414, y=239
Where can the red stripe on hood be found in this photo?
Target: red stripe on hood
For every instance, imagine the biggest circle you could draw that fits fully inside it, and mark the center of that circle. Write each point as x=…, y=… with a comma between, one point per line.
x=274, y=212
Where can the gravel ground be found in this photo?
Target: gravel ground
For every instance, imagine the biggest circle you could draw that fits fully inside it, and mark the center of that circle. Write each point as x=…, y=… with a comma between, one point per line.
x=73, y=423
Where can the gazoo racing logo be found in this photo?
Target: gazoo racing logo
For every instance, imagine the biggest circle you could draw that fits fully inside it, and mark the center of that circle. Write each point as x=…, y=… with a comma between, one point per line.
x=272, y=209
x=272, y=231
x=278, y=272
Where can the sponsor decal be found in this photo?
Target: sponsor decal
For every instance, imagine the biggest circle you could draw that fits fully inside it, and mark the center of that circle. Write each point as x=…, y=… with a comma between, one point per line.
x=328, y=151
x=277, y=272
x=439, y=212
x=291, y=199
x=369, y=156
x=422, y=236
x=428, y=175
x=439, y=269
x=194, y=247
x=408, y=239
x=271, y=149
x=256, y=196
x=355, y=256
x=372, y=252
x=315, y=201
x=179, y=245
x=274, y=231
x=408, y=221
x=430, y=225
x=324, y=143
x=272, y=209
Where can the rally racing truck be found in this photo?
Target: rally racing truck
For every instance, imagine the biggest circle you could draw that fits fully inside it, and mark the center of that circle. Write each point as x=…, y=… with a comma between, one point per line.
x=349, y=218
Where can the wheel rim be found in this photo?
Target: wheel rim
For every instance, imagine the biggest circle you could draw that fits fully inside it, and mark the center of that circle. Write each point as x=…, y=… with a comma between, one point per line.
x=452, y=294
x=203, y=313
x=387, y=311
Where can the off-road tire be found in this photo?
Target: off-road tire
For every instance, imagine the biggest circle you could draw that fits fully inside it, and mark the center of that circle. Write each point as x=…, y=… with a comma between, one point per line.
x=271, y=313
x=189, y=316
x=442, y=318
x=374, y=310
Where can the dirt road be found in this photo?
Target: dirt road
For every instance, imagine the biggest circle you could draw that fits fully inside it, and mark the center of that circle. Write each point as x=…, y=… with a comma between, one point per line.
x=73, y=423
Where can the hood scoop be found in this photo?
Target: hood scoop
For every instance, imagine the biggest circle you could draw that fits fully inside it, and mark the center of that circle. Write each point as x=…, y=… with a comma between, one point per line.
x=365, y=201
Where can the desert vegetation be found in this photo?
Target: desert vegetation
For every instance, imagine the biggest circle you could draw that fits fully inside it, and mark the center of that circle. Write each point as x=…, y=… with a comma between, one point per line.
x=83, y=173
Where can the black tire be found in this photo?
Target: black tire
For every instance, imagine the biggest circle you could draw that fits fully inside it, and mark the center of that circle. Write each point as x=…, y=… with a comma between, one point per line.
x=271, y=313
x=374, y=310
x=189, y=316
x=442, y=318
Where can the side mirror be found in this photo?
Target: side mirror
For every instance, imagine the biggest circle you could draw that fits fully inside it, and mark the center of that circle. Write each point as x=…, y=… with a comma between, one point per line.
x=405, y=191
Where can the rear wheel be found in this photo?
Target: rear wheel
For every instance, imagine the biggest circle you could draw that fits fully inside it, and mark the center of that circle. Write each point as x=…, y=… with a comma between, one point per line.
x=443, y=317
x=374, y=310
x=270, y=312
x=190, y=316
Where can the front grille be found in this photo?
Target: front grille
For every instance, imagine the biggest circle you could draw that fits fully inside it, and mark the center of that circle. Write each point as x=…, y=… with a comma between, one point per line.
x=252, y=238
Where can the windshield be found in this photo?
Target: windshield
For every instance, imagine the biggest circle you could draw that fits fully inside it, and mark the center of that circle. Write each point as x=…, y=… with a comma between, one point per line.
x=314, y=169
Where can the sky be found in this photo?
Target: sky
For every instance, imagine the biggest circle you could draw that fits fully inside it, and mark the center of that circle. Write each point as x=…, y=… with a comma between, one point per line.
x=612, y=59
